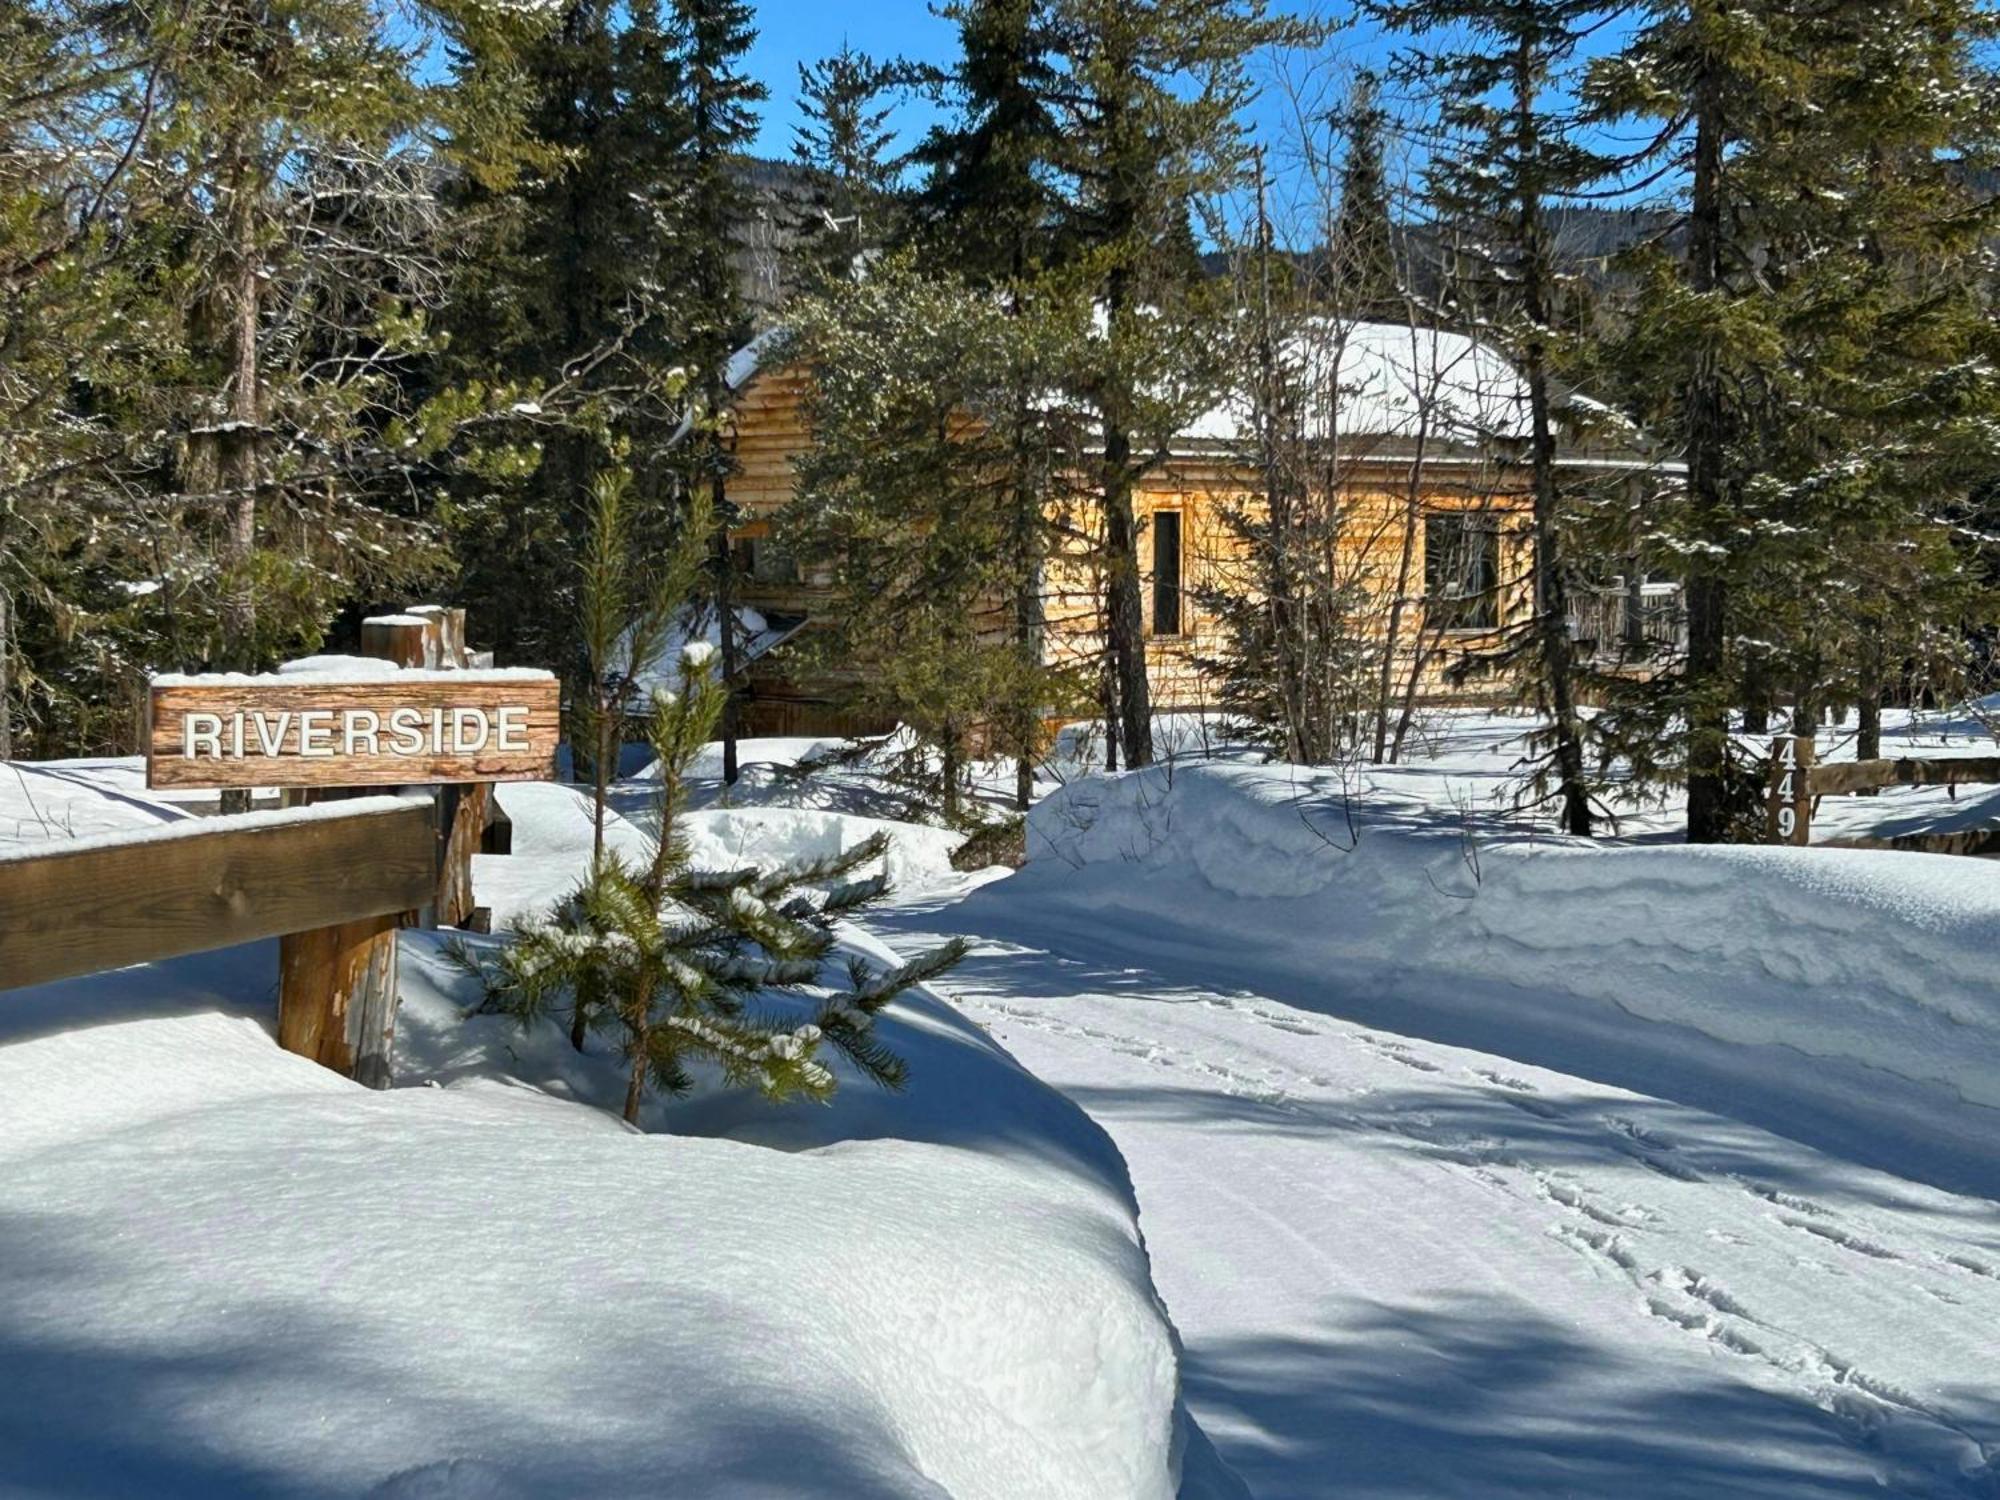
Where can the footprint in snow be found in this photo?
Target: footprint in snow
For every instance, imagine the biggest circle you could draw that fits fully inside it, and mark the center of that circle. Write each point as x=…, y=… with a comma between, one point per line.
x=1837, y=1236
x=1974, y=1265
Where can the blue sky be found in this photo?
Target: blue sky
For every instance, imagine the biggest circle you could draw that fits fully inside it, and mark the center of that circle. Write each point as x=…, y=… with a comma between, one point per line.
x=791, y=32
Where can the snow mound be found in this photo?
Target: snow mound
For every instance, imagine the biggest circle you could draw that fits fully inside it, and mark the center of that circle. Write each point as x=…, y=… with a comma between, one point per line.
x=59, y=801
x=1846, y=996
x=726, y=839
x=229, y=1271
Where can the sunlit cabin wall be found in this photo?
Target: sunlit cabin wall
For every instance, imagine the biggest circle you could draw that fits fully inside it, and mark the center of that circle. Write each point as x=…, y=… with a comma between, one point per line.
x=1375, y=503
x=771, y=432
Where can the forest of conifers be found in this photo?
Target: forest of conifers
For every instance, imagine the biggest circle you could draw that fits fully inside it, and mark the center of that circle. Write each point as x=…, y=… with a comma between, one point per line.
x=309, y=307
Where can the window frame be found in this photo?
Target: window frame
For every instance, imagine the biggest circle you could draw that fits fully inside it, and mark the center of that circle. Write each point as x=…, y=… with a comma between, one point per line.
x=1178, y=593
x=1484, y=604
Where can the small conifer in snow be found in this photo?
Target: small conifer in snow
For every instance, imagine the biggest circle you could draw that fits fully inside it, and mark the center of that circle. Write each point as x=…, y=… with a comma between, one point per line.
x=684, y=966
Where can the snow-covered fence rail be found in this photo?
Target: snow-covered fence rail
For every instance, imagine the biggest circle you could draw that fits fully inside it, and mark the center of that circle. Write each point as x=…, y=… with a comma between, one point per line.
x=332, y=882
x=1797, y=784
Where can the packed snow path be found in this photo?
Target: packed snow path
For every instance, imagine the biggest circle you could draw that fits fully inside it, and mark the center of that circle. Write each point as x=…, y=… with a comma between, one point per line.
x=1404, y=1269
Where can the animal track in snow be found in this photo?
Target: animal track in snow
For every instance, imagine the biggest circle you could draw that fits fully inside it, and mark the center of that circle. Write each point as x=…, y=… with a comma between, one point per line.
x=1505, y=1081
x=1974, y=1265
x=1397, y=1052
x=1790, y=1200
x=1837, y=1236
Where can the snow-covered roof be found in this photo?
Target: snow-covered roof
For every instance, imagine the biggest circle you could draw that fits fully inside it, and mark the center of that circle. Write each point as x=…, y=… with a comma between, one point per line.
x=1370, y=380
x=661, y=671
x=1388, y=380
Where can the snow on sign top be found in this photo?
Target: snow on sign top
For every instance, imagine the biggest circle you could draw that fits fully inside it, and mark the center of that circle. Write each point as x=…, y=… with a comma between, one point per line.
x=340, y=729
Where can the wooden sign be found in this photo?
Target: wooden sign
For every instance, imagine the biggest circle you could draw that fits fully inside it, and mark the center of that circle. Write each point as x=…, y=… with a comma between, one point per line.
x=401, y=729
x=1791, y=789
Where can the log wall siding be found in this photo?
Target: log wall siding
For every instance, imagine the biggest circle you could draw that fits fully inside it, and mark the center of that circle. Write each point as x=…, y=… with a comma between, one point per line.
x=771, y=432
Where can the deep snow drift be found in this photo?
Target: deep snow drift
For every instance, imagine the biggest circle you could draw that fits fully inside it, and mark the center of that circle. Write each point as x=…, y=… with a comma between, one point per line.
x=226, y=1271
x=1845, y=997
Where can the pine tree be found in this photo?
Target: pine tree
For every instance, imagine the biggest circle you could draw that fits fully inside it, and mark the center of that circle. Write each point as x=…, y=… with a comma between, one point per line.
x=986, y=210
x=205, y=378
x=844, y=144
x=1804, y=371
x=720, y=102
x=988, y=215
x=915, y=496
x=1363, y=275
x=564, y=328
x=1148, y=109
x=683, y=965
x=1501, y=70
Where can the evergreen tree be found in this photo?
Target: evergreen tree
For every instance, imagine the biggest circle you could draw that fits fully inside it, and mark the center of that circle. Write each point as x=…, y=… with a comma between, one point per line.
x=1148, y=108
x=564, y=332
x=932, y=505
x=849, y=206
x=1502, y=70
x=686, y=966
x=987, y=209
x=1363, y=275
x=720, y=102
x=1817, y=380
x=238, y=253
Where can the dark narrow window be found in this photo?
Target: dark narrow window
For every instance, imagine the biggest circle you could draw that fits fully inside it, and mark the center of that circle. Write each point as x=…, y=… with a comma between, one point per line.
x=1166, y=572
x=1462, y=570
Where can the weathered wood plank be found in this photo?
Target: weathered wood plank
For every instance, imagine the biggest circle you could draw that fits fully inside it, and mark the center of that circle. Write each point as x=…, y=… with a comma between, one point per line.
x=1859, y=775
x=208, y=885
x=337, y=996
x=462, y=812
x=380, y=732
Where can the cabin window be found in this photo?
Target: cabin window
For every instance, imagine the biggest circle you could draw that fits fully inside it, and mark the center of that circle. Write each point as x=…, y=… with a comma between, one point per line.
x=1462, y=570
x=760, y=560
x=1166, y=572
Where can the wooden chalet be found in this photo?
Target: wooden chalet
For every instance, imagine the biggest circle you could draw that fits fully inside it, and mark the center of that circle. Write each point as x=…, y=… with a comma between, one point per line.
x=1428, y=432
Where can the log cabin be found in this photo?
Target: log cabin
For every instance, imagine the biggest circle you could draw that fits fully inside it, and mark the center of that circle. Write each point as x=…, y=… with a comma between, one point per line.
x=1427, y=431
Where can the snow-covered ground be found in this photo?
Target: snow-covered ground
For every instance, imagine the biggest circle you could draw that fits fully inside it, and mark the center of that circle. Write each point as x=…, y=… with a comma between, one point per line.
x=1470, y=1161
x=224, y=1271
x=1404, y=1267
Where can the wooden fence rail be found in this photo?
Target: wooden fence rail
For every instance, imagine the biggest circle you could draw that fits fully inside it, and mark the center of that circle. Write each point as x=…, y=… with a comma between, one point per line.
x=1797, y=782
x=332, y=885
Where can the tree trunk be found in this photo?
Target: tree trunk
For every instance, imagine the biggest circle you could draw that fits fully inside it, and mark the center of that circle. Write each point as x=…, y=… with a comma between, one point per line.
x=635, y=1083
x=950, y=771
x=1706, y=692
x=237, y=469
x=1107, y=699
x=1027, y=610
x=1127, y=615
x=725, y=616
x=6, y=677
x=1558, y=667
x=1868, y=735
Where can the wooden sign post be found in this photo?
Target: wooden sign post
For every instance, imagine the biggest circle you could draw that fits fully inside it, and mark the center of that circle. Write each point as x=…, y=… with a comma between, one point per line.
x=431, y=721
x=1791, y=789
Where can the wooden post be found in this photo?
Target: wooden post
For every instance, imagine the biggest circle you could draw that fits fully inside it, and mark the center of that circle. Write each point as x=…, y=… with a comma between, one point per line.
x=447, y=625
x=1790, y=820
x=408, y=640
x=337, y=996
x=433, y=636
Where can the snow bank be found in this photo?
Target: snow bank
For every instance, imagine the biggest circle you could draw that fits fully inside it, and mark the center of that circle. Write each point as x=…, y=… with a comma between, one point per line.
x=224, y=1270
x=1845, y=996
x=724, y=839
x=59, y=801
x=230, y=1272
